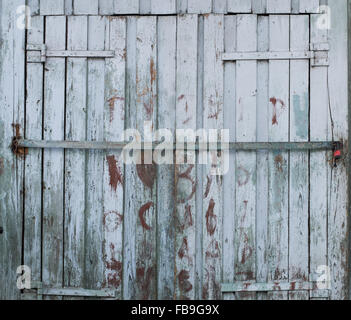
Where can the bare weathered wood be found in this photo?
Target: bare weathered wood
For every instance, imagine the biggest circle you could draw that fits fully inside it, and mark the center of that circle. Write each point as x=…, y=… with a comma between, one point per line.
x=33, y=167
x=212, y=119
x=52, y=7
x=113, y=184
x=166, y=113
x=144, y=6
x=94, y=263
x=54, y=106
x=203, y=6
x=239, y=6
x=319, y=166
x=68, y=7
x=229, y=180
x=163, y=6
x=106, y=7
x=76, y=102
x=85, y=7
x=11, y=123
x=182, y=6
x=186, y=101
x=338, y=223
x=309, y=6
x=34, y=7
x=246, y=88
x=298, y=182
x=278, y=124
x=262, y=157
x=220, y=6
x=278, y=6
x=259, y=6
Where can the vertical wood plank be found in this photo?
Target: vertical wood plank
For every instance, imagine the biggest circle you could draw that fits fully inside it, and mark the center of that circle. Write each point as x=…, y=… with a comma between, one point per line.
x=34, y=6
x=54, y=106
x=86, y=6
x=278, y=6
x=11, y=123
x=259, y=6
x=109, y=7
x=94, y=267
x=163, y=6
x=76, y=93
x=213, y=119
x=319, y=167
x=68, y=7
x=338, y=222
x=187, y=29
x=166, y=113
x=113, y=168
x=106, y=7
x=203, y=6
x=220, y=6
x=309, y=6
x=52, y=7
x=33, y=173
x=278, y=161
x=295, y=6
x=239, y=6
x=298, y=182
x=262, y=156
x=182, y=6
x=229, y=180
x=145, y=6
x=246, y=90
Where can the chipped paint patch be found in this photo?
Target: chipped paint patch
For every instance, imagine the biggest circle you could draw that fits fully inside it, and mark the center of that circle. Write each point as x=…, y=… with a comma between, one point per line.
x=211, y=219
x=146, y=207
x=112, y=220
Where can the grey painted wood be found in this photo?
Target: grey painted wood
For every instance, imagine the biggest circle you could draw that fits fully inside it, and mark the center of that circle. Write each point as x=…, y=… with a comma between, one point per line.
x=85, y=7
x=203, y=6
x=52, y=7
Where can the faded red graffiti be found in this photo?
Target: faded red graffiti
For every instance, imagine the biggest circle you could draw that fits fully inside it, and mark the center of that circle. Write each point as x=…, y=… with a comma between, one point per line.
x=114, y=270
x=187, y=175
x=274, y=102
x=114, y=172
x=1, y=166
x=213, y=251
x=183, y=281
x=147, y=174
x=208, y=186
x=144, y=281
x=111, y=103
x=187, y=220
x=142, y=212
x=211, y=219
x=244, y=177
x=184, y=250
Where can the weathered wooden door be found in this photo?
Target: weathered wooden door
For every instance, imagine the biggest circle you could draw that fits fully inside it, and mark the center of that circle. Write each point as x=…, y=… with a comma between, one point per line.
x=268, y=229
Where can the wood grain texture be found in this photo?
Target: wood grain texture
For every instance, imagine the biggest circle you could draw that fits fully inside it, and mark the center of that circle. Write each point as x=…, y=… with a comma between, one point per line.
x=203, y=6
x=186, y=102
x=278, y=124
x=85, y=7
x=278, y=6
x=219, y=6
x=54, y=106
x=239, y=6
x=308, y=6
x=52, y=7
x=33, y=167
x=163, y=6
x=212, y=119
x=246, y=90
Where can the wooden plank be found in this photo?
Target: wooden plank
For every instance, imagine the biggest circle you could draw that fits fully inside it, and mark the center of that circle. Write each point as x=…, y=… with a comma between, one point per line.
x=338, y=222
x=278, y=6
x=113, y=167
x=33, y=173
x=259, y=6
x=163, y=6
x=262, y=156
x=319, y=167
x=309, y=6
x=246, y=88
x=68, y=7
x=86, y=7
x=145, y=6
x=76, y=101
x=298, y=182
x=52, y=7
x=167, y=44
x=106, y=7
x=295, y=4
x=278, y=123
x=182, y=6
x=220, y=6
x=94, y=263
x=229, y=180
x=186, y=102
x=11, y=169
x=212, y=119
x=203, y=6
x=34, y=6
x=239, y=6
x=140, y=234
x=53, y=177
x=109, y=7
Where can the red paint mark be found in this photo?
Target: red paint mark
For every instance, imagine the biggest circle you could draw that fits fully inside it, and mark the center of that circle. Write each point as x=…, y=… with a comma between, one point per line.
x=17, y=128
x=274, y=102
x=181, y=97
x=149, y=109
x=279, y=163
x=208, y=186
x=112, y=220
x=147, y=174
x=246, y=174
x=114, y=267
x=1, y=166
x=187, y=175
x=187, y=120
x=142, y=212
x=211, y=219
x=247, y=251
x=111, y=103
x=292, y=286
x=184, y=250
x=144, y=280
x=187, y=220
x=210, y=282
x=153, y=72
x=114, y=172
x=183, y=281
x=247, y=275
x=213, y=251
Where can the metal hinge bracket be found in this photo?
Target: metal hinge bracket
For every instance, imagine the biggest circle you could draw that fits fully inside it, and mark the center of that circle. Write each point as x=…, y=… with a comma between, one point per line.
x=38, y=53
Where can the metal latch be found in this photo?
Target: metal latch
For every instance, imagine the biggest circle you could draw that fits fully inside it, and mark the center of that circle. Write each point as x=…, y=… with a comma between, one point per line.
x=41, y=290
x=320, y=54
x=38, y=53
